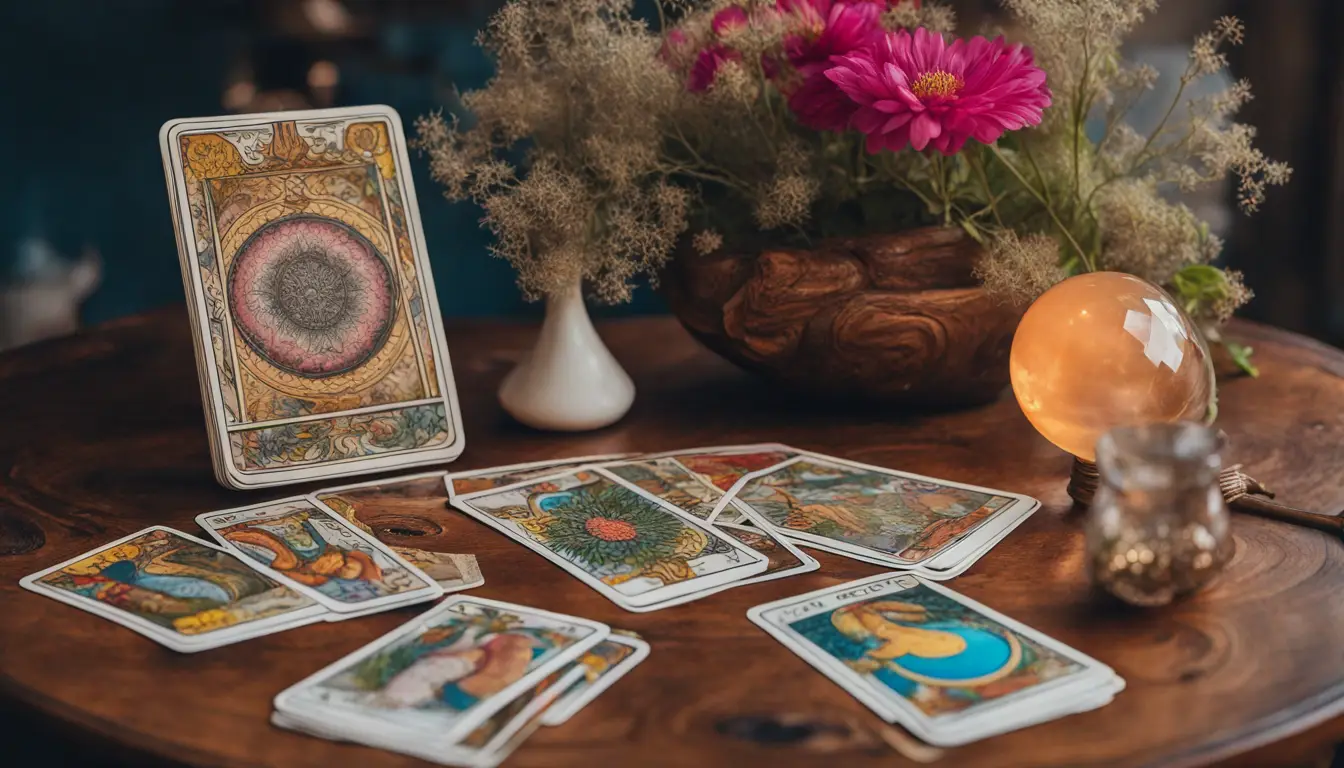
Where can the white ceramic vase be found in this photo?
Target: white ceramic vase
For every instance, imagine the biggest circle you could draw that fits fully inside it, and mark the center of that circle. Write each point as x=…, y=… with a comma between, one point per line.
x=569, y=382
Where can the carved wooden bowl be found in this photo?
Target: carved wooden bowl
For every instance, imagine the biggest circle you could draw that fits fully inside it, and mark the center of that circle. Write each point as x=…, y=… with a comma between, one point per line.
x=894, y=318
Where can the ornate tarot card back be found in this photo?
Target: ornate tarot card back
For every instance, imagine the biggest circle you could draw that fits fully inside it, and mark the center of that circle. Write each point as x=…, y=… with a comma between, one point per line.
x=319, y=344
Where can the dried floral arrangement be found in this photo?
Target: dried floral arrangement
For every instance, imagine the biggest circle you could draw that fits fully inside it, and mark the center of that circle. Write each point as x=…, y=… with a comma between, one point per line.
x=605, y=140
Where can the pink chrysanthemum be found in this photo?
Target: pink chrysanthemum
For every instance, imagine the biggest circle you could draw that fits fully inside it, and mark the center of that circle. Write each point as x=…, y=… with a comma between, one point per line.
x=826, y=28
x=829, y=28
x=817, y=103
x=917, y=90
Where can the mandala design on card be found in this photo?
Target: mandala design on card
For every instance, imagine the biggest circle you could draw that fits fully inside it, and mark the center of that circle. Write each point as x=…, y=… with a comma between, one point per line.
x=618, y=533
x=345, y=248
x=312, y=296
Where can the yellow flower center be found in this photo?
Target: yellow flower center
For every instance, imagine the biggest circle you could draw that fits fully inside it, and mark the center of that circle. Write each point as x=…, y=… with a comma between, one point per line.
x=937, y=83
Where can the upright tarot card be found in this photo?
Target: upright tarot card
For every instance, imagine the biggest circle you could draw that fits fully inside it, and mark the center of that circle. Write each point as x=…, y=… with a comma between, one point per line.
x=318, y=338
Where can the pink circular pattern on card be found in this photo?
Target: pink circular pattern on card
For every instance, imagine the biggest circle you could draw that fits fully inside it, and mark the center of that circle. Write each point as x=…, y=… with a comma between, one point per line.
x=312, y=296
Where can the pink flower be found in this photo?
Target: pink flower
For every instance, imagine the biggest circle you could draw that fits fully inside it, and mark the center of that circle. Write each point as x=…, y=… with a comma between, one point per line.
x=732, y=17
x=917, y=90
x=818, y=104
x=708, y=61
x=826, y=28
x=707, y=65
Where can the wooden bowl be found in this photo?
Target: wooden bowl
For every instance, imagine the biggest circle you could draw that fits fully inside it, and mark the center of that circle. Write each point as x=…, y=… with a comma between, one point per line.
x=895, y=318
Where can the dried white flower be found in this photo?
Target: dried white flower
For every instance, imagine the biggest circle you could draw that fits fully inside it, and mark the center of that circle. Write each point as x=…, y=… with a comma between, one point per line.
x=1019, y=268
x=707, y=241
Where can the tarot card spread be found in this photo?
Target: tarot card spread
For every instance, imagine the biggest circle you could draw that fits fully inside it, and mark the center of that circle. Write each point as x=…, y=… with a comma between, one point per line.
x=317, y=328
x=411, y=495
x=636, y=549
x=177, y=590
x=945, y=667
x=321, y=554
x=439, y=677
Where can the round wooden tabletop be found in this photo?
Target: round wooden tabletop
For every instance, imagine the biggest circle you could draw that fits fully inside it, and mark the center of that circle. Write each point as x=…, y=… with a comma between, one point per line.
x=103, y=435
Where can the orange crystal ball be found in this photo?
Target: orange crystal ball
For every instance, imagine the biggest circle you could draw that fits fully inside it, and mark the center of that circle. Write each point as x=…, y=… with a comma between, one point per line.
x=1103, y=350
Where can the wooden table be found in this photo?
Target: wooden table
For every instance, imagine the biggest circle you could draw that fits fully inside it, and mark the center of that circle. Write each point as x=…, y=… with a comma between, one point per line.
x=102, y=435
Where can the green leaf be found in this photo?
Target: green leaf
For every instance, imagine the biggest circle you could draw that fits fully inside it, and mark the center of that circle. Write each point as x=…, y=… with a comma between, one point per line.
x=1199, y=280
x=1241, y=355
x=1198, y=286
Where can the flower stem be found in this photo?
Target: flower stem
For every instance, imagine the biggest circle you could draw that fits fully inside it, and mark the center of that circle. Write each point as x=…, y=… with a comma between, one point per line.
x=1186, y=78
x=1049, y=209
x=978, y=163
x=885, y=161
x=1031, y=158
x=1079, y=118
x=939, y=170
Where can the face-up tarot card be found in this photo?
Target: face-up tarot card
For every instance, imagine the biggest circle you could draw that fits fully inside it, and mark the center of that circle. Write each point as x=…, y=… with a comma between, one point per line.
x=636, y=549
x=946, y=667
x=845, y=506
x=414, y=494
x=603, y=665
x=321, y=554
x=477, y=480
x=444, y=674
x=177, y=590
x=319, y=343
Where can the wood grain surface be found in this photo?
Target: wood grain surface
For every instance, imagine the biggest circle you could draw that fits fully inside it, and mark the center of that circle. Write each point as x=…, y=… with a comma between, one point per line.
x=103, y=435
x=891, y=318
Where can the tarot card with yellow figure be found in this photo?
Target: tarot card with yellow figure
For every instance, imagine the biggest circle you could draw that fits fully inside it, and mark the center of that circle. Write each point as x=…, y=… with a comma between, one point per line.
x=947, y=668
x=177, y=590
x=319, y=343
x=317, y=552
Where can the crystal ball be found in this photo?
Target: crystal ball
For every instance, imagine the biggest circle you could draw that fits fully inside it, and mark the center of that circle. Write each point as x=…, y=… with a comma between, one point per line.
x=1103, y=350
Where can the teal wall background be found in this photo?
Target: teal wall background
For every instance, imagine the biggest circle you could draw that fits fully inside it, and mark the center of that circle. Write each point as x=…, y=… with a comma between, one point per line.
x=87, y=83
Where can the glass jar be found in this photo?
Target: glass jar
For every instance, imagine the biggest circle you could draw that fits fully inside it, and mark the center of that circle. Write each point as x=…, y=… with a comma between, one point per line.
x=1158, y=528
